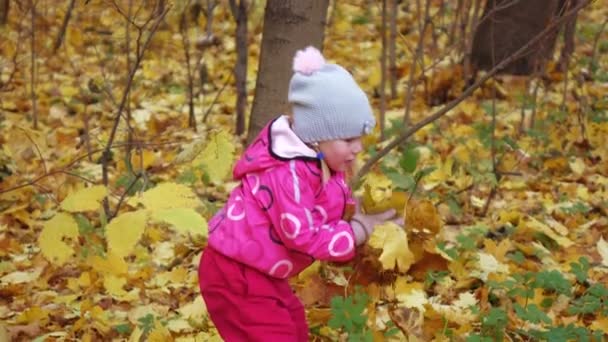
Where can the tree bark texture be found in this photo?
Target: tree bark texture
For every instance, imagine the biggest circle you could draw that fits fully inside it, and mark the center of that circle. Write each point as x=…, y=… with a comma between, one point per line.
x=509, y=25
x=4, y=6
x=289, y=25
x=239, y=11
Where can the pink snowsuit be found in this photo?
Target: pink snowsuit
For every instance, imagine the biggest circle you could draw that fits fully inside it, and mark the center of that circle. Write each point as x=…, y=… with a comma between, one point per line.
x=276, y=223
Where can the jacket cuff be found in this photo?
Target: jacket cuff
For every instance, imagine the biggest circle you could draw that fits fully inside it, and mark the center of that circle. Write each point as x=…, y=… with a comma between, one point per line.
x=359, y=230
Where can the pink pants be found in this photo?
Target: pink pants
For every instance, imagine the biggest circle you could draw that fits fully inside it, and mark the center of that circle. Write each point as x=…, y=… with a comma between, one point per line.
x=248, y=305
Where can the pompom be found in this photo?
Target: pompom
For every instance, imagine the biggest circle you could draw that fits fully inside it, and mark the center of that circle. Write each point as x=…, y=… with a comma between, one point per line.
x=308, y=61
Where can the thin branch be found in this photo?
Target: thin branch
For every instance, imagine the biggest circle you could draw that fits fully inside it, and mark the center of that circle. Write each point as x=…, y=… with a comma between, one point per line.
x=64, y=26
x=406, y=134
x=383, y=71
x=595, y=42
x=37, y=149
x=418, y=56
x=39, y=178
x=33, y=62
x=217, y=96
x=124, y=194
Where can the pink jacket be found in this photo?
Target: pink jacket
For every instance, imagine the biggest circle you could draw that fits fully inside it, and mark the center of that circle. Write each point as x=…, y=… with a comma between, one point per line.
x=281, y=217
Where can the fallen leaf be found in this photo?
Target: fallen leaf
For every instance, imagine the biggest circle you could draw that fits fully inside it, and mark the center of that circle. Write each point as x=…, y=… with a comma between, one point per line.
x=125, y=231
x=392, y=240
x=167, y=196
x=602, y=248
x=86, y=199
x=51, y=240
x=182, y=220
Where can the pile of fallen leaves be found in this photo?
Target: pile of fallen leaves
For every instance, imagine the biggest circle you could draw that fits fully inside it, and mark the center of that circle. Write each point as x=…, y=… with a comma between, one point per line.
x=504, y=227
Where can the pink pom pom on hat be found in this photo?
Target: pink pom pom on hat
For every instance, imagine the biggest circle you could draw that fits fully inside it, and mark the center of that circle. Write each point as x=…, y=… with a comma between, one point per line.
x=327, y=103
x=308, y=61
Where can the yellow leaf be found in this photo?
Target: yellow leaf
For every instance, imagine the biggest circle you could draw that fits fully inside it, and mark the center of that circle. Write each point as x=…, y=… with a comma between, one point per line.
x=378, y=186
x=167, y=196
x=176, y=276
x=159, y=334
x=34, y=314
x=217, y=157
x=410, y=294
x=68, y=91
x=600, y=323
x=392, y=239
x=195, y=310
x=19, y=277
x=543, y=228
x=4, y=335
x=422, y=218
x=86, y=199
x=143, y=160
x=183, y=220
x=498, y=251
x=179, y=325
x=602, y=248
x=459, y=311
x=487, y=264
x=113, y=264
x=125, y=231
x=577, y=165
x=114, y=285
x=51, y=239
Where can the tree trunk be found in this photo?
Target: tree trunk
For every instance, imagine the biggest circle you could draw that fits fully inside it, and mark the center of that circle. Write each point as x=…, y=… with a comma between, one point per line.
x=4, y=5
x=239, y=12
x=509, y=25
x=289, y=25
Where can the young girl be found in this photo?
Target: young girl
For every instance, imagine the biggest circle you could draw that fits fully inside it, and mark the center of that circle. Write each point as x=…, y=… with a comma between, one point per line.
x=289, y=209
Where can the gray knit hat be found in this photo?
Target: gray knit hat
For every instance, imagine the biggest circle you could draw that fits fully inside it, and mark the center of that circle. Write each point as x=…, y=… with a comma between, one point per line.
x=327, y=103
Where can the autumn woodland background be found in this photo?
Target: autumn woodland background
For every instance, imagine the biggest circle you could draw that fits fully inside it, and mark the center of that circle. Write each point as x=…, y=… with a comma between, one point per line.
x=120, y=119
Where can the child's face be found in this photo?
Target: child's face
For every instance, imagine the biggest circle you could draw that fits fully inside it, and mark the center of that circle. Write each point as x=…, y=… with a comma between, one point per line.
x=340, y=154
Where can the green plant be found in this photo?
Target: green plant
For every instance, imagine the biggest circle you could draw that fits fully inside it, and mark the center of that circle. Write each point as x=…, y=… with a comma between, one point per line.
x=348, y=315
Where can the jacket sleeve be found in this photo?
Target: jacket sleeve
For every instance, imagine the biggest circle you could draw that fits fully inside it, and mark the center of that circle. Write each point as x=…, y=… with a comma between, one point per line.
x=301, y=224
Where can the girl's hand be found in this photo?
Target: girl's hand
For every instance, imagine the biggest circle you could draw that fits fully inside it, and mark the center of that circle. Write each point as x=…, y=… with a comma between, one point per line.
x=363, y=225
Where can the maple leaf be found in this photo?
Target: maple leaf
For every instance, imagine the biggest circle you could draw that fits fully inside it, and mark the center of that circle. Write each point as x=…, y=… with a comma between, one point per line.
x=86, y=199
x=51, y=239
x=111, y=264
x=392, y=240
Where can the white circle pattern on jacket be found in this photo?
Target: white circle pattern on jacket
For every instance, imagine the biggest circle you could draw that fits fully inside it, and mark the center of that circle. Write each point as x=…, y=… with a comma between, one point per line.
x=256, y=183
x=230, y=214
x=334, y=240
x=288, y=264
x=297, y=225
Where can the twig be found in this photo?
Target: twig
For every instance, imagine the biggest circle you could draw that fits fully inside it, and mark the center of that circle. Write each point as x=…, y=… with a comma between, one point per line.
x=406, y=134
x=418, y=56
x=124, y=194
x=37, y=179
x=183, y=28
x=392, y=48
x=37, y=149
x=217, y=96
x=383, y=72
x=64, y=26
x=595, y=42
x=33, y=63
